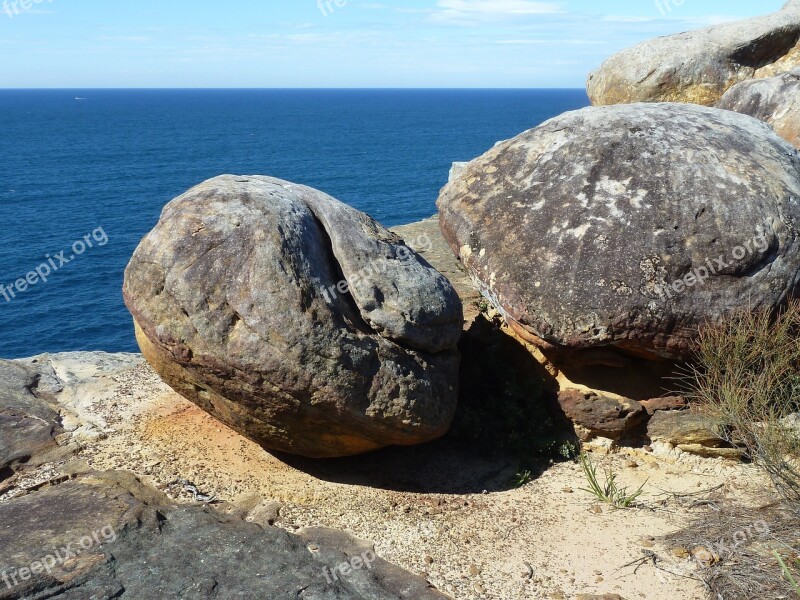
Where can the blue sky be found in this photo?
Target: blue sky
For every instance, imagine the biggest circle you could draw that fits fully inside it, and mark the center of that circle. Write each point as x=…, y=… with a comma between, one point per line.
x=362, y=43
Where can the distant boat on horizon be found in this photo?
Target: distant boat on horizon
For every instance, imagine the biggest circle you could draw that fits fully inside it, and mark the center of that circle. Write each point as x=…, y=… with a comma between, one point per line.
x=76, y=98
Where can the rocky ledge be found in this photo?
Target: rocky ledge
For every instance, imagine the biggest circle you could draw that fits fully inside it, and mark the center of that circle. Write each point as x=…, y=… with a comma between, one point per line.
x=70, y=531
x=114, y=486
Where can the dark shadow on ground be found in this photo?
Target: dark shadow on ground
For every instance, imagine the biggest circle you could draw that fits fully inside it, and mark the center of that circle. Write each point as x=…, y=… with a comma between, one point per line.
x=507, y=422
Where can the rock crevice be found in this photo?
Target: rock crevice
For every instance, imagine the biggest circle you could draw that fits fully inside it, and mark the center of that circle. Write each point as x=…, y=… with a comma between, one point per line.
x=339, y=339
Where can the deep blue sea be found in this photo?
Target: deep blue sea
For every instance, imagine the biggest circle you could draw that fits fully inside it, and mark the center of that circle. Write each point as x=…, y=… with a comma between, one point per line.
x=103, y=163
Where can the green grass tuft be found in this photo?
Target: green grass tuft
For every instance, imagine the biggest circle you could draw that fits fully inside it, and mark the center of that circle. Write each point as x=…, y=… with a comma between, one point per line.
x=608, y=492
x=787, y=571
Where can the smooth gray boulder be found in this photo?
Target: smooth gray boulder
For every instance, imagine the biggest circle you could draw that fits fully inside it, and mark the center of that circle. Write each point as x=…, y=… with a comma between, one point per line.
x=700, y=66
x=295, y=319
x=774, y=100
x=629, y=226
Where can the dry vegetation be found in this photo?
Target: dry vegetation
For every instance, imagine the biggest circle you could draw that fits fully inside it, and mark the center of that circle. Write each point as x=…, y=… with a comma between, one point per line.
x=747, y=378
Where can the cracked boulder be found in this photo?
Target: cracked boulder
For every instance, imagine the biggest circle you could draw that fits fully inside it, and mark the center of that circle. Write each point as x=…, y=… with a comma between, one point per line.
x=700, y=66
x=774, y=100
x=629, y=226
x=295, y=319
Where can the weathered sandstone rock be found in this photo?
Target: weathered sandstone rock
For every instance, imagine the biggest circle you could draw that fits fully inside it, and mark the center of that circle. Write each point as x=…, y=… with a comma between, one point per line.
x=456, y=170
x=29, y=423
x=691, y=433
x=108, y=535
x=602, y=415
x=295, y=319
x=700, y=66
x=653, y=405
x=629, y=226
x=774, y=100
x=426, y=238
x=682, y=427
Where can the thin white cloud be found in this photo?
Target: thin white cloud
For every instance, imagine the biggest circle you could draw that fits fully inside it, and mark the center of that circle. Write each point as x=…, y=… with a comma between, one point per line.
x=468, y=11
x=692, y=21
x=535, y=42
x=628, y=19
x=709, y=20
x=136, y=39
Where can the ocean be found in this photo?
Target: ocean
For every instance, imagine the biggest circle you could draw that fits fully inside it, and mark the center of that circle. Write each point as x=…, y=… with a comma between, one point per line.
x=84, y=175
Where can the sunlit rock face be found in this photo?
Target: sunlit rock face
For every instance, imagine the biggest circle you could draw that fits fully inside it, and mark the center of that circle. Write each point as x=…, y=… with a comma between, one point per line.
x=295, y=319
x=629, y=226
x=700, y=66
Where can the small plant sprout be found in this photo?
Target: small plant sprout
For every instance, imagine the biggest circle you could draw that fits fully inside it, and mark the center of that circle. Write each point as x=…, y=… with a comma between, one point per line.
x=522, y=478
x=608, y=492
x=787, y=572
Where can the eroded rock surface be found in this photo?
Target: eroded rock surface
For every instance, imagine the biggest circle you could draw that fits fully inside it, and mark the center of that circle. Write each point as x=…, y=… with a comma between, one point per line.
x=654, y=405
x=700, y=66
x=692, y=433
x=108, y=535
x=295, y=319
x=774, y=100
x=79, y=533
x=602, y=415
x=29, y=424
x=426, y=238
x=682, y=427
x=629, y=226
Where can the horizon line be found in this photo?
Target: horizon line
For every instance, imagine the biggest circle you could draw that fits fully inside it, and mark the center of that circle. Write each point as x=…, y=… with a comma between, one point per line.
x=17, y=89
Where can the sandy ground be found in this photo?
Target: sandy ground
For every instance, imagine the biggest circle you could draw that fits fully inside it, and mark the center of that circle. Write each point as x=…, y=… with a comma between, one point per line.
x=438, y=510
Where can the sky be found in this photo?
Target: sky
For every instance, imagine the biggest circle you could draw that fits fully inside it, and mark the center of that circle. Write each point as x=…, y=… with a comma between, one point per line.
x=333, y=43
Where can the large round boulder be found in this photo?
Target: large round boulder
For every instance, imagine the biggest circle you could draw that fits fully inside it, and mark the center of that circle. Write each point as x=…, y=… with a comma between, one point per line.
x=295, y=319
x=774, y=100
x=699, y=66
x=629, y=226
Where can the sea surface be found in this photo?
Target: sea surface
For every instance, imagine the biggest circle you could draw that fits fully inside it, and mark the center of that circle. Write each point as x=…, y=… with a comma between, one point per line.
x=87, y=172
